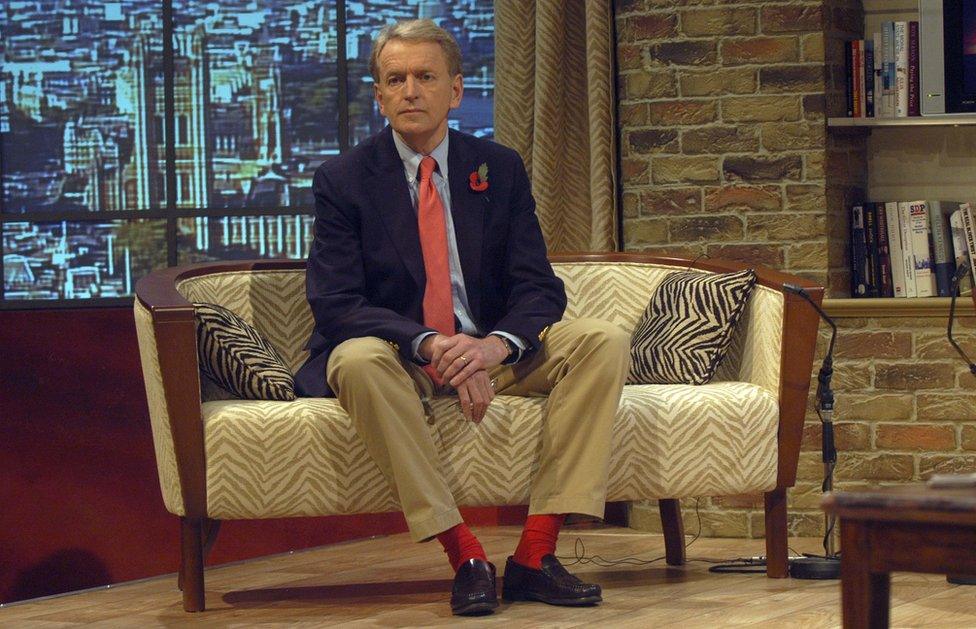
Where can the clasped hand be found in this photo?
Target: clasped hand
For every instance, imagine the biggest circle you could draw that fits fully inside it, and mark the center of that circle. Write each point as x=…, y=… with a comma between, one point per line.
x=463, y=362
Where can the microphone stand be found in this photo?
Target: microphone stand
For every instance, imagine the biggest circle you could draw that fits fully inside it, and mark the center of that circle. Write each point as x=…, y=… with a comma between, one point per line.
x=828, y=565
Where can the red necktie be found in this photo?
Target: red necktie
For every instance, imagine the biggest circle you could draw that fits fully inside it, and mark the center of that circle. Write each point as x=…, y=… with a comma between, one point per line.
x=438, y=304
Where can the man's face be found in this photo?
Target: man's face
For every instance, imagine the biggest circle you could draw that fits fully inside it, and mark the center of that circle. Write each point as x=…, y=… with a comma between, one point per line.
x=416, y=91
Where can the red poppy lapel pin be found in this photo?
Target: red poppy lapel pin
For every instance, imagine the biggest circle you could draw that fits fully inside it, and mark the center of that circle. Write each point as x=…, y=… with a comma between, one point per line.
x=478, y=180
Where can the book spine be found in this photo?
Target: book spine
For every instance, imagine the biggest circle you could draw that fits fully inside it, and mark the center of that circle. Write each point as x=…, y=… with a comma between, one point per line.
x=857, y=70
x=914, y=102
x=970, y=230
x=924, y=277
x=869, y=78
x=960, y=248
x=858, y=289
x=878, y=76
x=849, y=66
x=894, y=246
x=885, y=287
x=888, y=63
x=907, y=258
x=871, y=282
x=901, y=69
x=942, y=260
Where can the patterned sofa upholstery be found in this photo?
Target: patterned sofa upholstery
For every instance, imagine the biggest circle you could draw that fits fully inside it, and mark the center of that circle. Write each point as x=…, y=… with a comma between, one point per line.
x=222, y=458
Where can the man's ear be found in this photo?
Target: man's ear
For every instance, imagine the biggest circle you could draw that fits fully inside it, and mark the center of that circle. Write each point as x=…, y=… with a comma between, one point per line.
x=378, y=95
x=457, y=91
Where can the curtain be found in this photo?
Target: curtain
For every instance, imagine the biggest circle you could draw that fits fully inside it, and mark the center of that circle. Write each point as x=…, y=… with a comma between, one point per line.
x=554, y=104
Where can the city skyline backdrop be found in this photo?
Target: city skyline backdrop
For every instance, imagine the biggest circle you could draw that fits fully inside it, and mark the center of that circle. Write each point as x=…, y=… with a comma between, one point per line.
x=256, y=108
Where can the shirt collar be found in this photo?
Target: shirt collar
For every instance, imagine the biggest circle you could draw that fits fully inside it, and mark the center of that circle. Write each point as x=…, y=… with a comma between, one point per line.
x=411, y=158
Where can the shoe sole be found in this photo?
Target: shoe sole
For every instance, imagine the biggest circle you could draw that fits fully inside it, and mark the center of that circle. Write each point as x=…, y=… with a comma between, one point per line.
x=584, y=601
x=482, y=608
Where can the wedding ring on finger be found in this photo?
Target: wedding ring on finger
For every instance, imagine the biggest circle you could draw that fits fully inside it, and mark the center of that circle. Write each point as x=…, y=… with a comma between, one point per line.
x=464, y=359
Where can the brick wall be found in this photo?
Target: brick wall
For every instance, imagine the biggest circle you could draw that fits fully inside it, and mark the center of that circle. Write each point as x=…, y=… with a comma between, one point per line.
x=725, y=152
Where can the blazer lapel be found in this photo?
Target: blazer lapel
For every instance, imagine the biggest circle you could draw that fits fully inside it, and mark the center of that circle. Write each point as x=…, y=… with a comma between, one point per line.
x=469, y=210
x=391, y=197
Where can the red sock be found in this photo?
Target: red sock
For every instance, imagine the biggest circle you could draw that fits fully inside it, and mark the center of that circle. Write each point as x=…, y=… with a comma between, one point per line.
x=538, y=539
x=460, y=544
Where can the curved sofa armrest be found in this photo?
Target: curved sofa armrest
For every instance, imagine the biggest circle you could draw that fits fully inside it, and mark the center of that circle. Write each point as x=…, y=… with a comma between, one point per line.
x=798, y=341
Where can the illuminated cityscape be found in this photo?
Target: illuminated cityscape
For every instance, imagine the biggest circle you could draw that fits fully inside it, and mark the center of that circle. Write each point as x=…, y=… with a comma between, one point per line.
x=256, y=109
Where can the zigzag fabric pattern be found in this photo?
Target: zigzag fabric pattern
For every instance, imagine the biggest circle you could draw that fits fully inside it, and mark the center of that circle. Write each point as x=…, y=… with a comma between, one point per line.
x=235, y=355
x=688, y=326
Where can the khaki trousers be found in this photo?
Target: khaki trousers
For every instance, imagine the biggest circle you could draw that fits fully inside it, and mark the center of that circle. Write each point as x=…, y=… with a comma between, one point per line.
x=582, y=367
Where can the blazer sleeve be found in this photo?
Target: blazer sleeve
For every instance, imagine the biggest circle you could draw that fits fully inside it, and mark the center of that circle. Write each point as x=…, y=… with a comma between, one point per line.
x=536, y=297
x=335, y=278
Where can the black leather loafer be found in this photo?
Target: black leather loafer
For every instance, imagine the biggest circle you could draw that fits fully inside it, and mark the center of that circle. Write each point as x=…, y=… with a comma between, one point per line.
x=474, y=593
x=551, y=584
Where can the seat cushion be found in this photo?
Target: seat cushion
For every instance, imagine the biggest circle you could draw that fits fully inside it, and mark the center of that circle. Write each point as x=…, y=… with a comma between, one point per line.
x=300, y=458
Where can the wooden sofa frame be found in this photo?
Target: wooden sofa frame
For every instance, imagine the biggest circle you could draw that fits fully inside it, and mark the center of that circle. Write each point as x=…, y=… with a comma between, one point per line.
x=174, y=325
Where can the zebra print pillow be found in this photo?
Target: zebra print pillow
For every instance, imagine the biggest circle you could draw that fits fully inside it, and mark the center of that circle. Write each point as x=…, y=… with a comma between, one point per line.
x=687, y=327
x=235, y=356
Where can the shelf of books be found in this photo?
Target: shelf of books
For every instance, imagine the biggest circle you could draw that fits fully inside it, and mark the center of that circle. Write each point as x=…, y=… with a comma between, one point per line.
x=941, y=120
x=904, y=254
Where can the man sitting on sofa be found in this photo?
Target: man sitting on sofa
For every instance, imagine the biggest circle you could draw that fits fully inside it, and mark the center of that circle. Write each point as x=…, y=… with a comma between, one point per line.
x=428, y=276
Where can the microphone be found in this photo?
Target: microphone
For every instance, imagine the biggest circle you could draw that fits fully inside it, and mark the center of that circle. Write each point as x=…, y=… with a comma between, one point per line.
x=957, y=277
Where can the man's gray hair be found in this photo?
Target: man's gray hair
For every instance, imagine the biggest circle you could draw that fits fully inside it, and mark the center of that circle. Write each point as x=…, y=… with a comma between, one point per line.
x=416, y=31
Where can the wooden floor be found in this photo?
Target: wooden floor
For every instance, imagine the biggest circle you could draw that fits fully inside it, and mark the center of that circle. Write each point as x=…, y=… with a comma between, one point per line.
x=391, y=582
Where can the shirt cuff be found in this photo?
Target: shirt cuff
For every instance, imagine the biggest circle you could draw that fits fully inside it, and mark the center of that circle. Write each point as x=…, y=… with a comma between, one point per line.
x=415, y=347
x=516, y=341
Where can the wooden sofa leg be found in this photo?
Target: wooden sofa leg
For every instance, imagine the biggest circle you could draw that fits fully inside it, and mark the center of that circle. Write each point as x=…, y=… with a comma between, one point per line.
x=674, y=531
x=777, y=546
x=191, y=564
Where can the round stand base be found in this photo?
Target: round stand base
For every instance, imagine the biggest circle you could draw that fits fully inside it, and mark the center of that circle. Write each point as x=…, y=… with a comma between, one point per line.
x=815, y=568
x=962, y=579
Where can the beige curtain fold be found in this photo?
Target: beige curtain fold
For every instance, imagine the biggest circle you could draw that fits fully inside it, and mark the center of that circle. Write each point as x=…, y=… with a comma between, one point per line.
x=554, y=104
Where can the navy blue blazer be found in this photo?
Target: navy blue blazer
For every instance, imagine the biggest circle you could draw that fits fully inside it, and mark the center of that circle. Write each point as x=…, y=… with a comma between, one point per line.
x=365, y=271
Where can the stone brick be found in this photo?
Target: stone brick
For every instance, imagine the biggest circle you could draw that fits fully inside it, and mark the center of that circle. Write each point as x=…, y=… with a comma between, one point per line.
x=627, y=6
x=805, y=496
x=814, y=107
x=806, y=255
x=915, y=437
x=646, y=141
x=748, y=198
x=874, y=345
x=914, y=376
x=631, y=203
x=740, y=501
x=797, y=524
x=935, y=344
x=874, y=407
x=682, y=201
x=813, y=166
x=708, y=228
x=760, y=50
x=969, y=438
x=684, y=170
x=632, y=114
x=852, y=375
x=717, y=523
x=719, y=140
x=792, y=78
x=760, y=108
x=875, y=467
x=791, y=18
x=688, y=251
x=945, y=464
x=635, y=171
x=683, y=53
x=785, y=226
x=766, y=255
x=647, y=231
x=682, y=112
x=650, y=85
x=718, y=21
x=762, y=168
x=806, y=198
x=630, y=57
x=849, y=437
x=651, y=26
x=953, y=406
x=810, y=464
x=812, y=47
x=792, y=136
x=716, y=82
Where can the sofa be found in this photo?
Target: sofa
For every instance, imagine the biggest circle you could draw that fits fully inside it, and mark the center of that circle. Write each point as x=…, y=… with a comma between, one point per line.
x=221, y=458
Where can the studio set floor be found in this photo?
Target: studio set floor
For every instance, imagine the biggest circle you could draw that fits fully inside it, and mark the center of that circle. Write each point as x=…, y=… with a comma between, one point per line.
x=392, y=582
